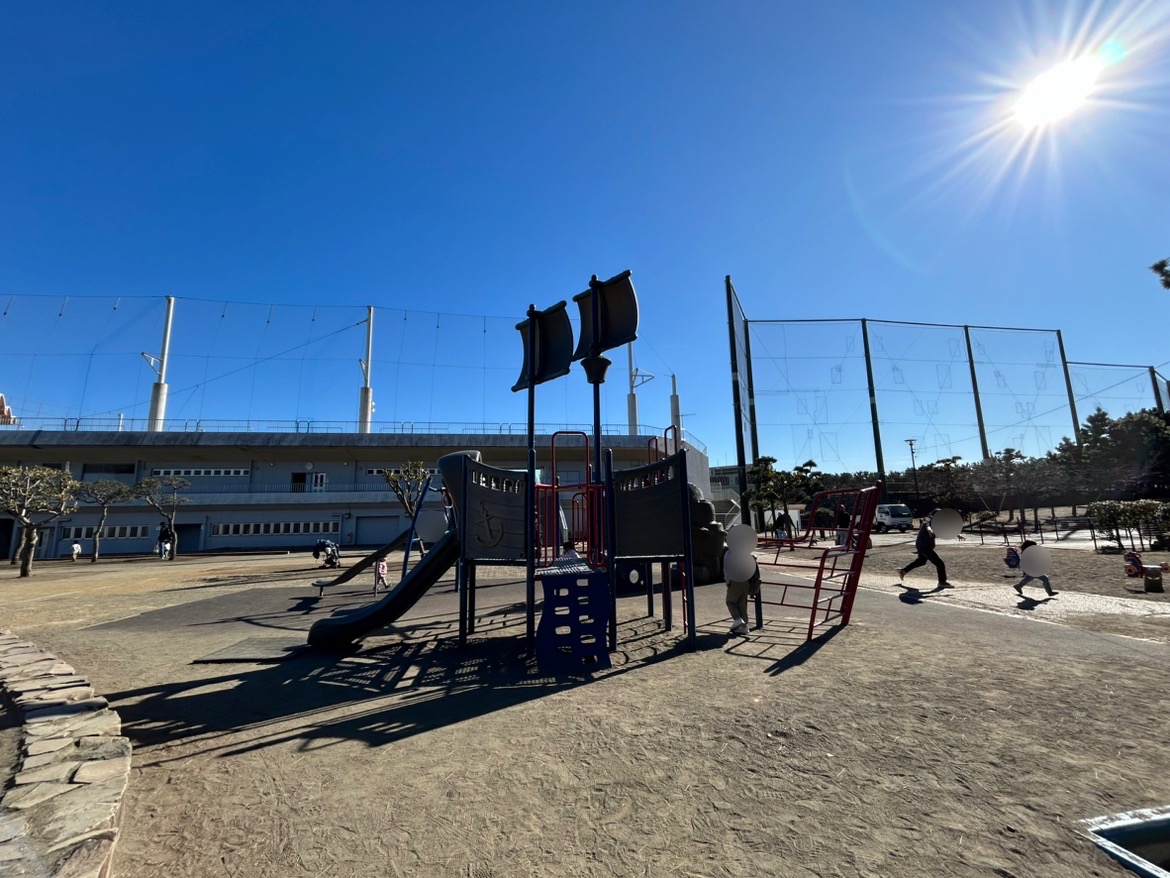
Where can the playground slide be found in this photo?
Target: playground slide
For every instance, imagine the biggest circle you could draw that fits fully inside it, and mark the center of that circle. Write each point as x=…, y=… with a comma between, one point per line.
x=336, y=633
x=365, y=563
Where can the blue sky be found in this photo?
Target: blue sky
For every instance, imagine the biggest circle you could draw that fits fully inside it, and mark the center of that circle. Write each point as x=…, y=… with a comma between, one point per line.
x=838, y=159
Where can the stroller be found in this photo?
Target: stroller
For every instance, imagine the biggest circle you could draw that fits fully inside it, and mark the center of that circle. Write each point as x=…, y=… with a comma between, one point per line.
x=329, y=553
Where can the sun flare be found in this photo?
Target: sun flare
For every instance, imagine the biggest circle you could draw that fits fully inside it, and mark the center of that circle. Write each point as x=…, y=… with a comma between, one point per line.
x=1058, y=92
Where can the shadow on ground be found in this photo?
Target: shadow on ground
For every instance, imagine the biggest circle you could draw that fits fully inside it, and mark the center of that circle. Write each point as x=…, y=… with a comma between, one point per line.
x=390, y=691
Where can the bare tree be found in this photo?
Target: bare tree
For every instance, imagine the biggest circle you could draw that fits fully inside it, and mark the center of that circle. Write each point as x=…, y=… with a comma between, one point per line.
x=34, y=496
x=408, y=483
x=162, y=495
x=103, y=493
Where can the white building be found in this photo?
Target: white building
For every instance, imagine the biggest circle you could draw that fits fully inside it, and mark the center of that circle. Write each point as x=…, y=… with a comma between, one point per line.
x=275, y=490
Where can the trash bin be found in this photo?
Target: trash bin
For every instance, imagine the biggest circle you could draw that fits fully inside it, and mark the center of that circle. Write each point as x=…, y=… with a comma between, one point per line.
x=1153, y=577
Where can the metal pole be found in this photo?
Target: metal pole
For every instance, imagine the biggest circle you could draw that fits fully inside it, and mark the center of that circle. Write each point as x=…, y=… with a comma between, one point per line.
x=530, y=518
x=873, y=410
x=165, y=356
x=675, y=408
x=736, y=403
x=595, y=354
x=978, y=404
x=914, y=469
x=1157, y=391
x=632, y=399
x=1072, y=402
x=751, y=390
x=366, y=396
x=158, y=393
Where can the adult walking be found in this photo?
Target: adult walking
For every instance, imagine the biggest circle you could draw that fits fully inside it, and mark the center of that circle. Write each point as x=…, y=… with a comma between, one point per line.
x=165, y=536
x=924, y=546
x=841, y=523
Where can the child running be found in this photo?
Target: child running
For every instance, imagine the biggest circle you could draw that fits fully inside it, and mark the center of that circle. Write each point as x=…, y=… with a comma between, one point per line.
x=1019, y=586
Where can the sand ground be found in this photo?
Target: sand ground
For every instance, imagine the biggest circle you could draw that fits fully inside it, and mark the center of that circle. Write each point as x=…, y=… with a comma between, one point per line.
x=926, y=738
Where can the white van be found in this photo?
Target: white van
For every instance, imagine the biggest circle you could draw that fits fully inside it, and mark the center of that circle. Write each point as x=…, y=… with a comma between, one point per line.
x=893, y=515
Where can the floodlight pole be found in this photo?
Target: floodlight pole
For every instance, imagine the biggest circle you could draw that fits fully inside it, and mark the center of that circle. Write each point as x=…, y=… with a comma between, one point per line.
x=158, y=393
x=366, y=395
x=675, y=408
x=637, y=379
x=631, y=398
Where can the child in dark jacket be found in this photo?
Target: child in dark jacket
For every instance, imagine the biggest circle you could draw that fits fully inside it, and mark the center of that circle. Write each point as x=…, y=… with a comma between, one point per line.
x=1028, y=577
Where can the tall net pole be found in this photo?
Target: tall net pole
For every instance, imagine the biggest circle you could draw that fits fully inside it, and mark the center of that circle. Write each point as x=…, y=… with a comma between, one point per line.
x=1072, y=401
x=873, y=410
x=735, y=318
x=975, y=390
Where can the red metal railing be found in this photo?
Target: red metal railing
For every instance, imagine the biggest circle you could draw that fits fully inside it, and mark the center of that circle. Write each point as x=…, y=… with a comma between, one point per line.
x=835, y=570
x=659, y=448
x=585, y=527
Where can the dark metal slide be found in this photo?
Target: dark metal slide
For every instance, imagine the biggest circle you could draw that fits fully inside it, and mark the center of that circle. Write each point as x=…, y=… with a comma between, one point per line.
x=341, y=631
x=365, y=563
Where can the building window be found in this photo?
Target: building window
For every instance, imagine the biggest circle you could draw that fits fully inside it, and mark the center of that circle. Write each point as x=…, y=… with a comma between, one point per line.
x=121, y=469
x=257, y=528
x=200, y=472
x=110, y=532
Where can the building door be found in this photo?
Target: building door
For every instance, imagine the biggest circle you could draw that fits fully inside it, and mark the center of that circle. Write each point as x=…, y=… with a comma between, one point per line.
x=318, y=482
x=377, y=530
x=7, y=534
x=190, y=537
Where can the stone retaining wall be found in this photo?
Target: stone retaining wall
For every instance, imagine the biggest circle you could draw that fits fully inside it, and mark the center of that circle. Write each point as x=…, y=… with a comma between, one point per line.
x=62, y=815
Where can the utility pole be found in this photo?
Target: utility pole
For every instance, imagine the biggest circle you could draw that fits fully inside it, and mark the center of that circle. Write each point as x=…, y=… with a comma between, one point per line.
x=914, y=469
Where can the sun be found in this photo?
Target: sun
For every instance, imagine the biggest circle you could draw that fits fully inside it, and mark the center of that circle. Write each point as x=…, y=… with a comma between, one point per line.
x=1058, y=92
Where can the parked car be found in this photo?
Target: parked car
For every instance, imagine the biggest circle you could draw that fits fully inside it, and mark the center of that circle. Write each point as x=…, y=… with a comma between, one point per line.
x=893, y=515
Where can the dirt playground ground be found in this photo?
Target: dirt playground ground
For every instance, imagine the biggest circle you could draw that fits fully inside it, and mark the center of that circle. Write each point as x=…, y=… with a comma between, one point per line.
x=960, y=732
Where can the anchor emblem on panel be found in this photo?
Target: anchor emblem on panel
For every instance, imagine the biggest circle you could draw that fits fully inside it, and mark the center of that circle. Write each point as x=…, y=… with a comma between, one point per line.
x=494, y=533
